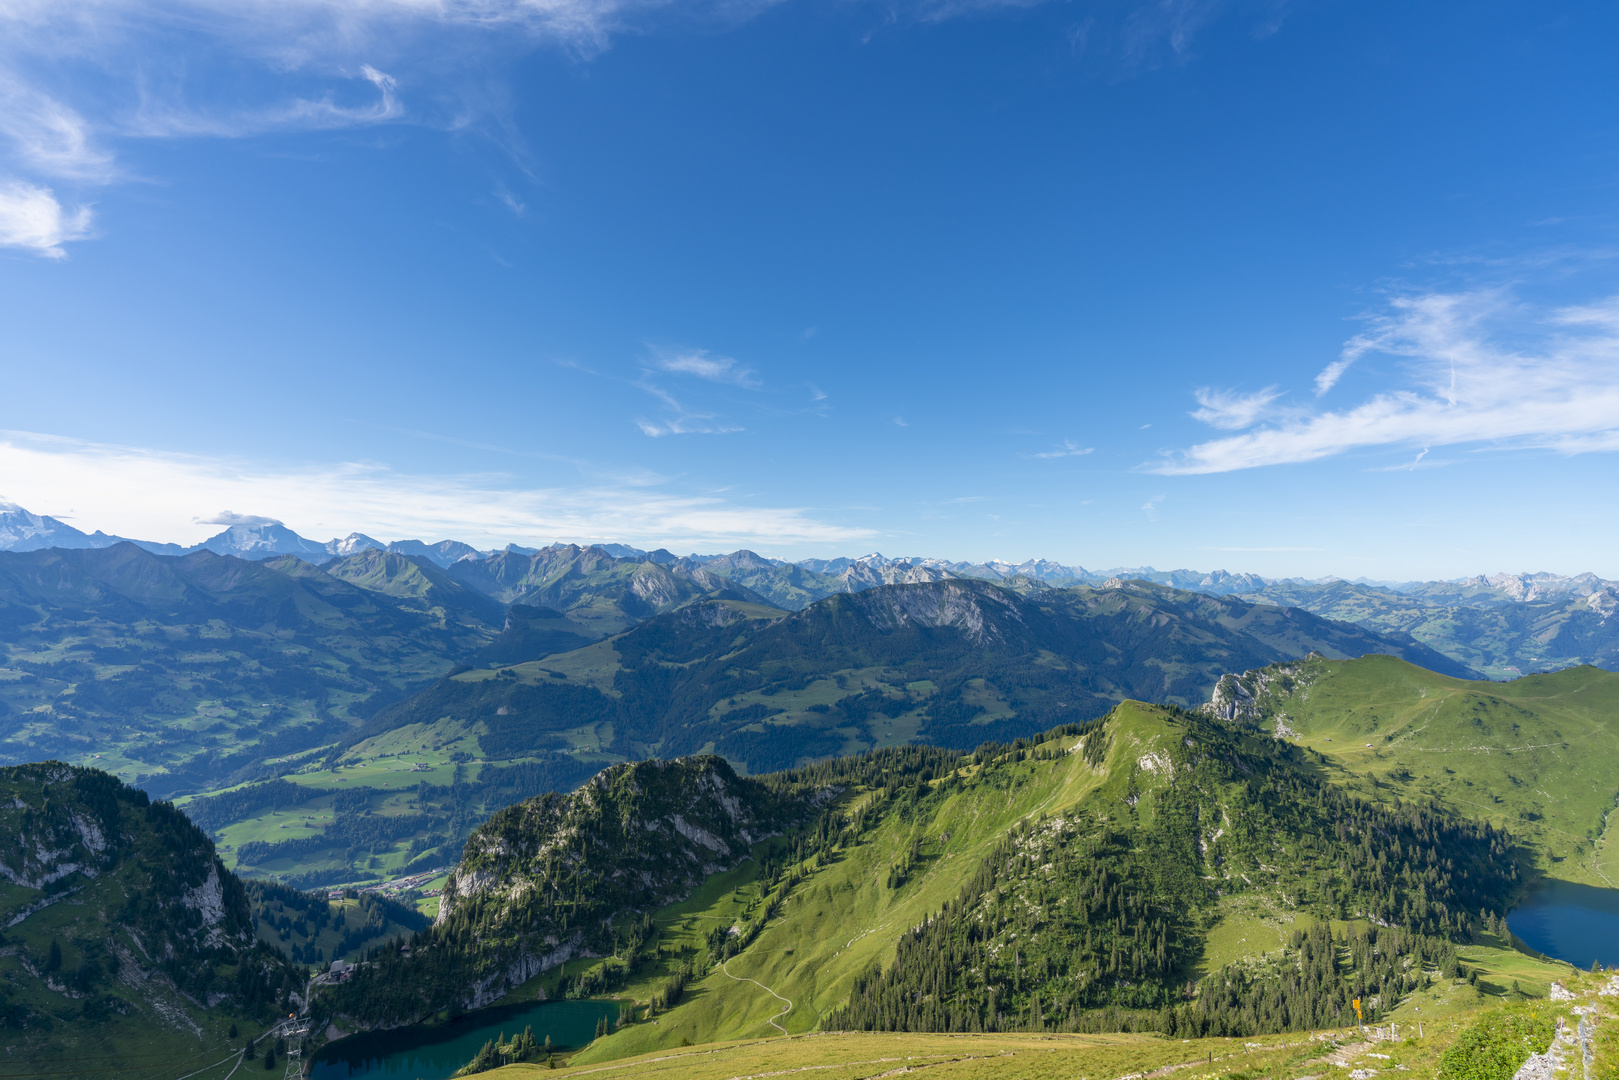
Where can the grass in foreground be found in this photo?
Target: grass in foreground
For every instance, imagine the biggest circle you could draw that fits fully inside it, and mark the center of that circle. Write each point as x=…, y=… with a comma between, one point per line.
x=858, y=1055
x=1435, y=1047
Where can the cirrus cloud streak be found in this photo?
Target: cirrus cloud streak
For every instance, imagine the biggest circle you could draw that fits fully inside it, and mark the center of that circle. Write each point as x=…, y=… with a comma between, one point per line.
x=1482, y=370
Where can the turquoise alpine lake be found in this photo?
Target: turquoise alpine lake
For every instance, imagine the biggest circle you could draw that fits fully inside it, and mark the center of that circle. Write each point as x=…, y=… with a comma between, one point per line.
x=436, y=1052
x=1578, y=924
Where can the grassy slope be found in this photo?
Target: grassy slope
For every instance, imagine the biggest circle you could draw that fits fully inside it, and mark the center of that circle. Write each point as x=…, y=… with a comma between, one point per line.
x=389, y=776
x=844, y=918
x=1536, y=755
x=391, y=766
x=1415, y=1050
x=838, y=921
x=856, y=1056
x=1440, y=1014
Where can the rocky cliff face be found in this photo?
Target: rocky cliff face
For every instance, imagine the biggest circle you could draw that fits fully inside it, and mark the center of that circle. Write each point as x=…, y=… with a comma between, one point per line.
x=646, y=831
x=119, y=907
x=540, y=878
x=976, y=609
x=1242, y=699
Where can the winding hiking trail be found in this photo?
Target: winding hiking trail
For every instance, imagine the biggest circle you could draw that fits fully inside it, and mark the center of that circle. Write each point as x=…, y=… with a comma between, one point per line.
x=786, y=1008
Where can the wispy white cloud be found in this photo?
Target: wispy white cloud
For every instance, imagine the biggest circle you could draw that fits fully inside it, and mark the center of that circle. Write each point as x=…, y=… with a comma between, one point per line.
x=1329, y=376
x=228, y=517
x=1421, y=461
x=1069, y=448
x=32, y=219
x=167, y=119
x=157, y=495
x=686, y=424
x=78, y=76
x=679, y=418
x=48, y=137
x=1166, y=22
x=69, y=74
x=511, y=202
x=1353, y=350
x=704, y=365
x=1231, y=410
x=1482, y=369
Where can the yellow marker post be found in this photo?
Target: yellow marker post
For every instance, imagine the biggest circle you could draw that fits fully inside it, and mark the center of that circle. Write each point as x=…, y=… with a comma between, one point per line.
x=1359, y=1019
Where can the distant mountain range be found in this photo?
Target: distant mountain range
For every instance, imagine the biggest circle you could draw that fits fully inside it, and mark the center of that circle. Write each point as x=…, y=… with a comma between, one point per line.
x=253, y=538
x=1502, y=625
x=263, y=538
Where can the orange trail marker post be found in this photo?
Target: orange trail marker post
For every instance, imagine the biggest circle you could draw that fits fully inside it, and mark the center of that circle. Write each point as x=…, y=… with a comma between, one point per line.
x=1359, y=1019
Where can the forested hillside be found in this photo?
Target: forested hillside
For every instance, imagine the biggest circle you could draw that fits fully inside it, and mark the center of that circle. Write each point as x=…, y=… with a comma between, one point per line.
x=561, y=876
x=1536, y=755
x=123, y=931
x=1075, y=881
x=1105, y=906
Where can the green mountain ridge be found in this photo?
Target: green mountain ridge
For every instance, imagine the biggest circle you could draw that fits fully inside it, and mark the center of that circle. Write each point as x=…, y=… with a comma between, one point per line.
x=417, y=583
x=1077, y=881
x=1245, y=868
x=1536, y=755
x=946, y=662
x=124, y=934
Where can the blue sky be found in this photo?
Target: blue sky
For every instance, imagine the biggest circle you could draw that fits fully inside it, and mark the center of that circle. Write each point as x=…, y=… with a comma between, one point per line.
x=1298, y=288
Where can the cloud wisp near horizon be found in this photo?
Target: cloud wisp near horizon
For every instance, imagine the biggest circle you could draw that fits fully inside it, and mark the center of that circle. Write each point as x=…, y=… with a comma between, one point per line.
x=1482, y=370
x=146, y=493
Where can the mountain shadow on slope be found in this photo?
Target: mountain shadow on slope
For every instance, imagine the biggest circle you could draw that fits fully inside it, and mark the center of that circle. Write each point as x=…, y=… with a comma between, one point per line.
x=951, y=662
x=530, y=633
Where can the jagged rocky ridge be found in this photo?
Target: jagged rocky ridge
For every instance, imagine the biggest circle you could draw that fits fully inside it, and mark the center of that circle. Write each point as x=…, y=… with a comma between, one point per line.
x=541, y=882
x=119, y=907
